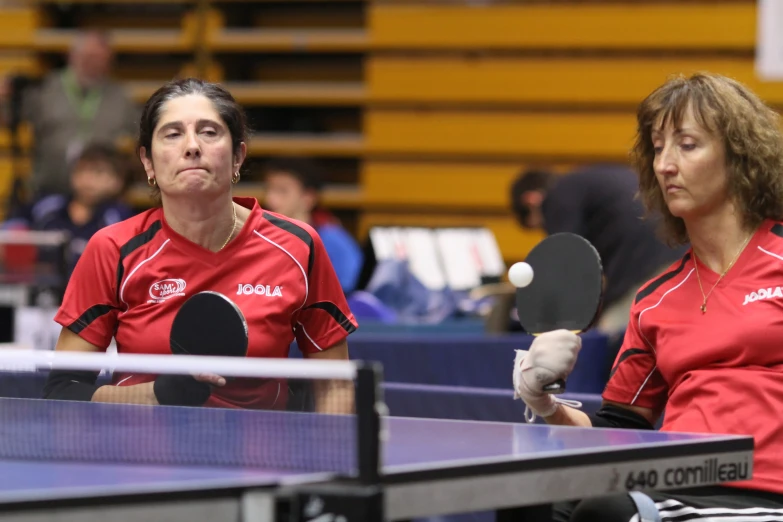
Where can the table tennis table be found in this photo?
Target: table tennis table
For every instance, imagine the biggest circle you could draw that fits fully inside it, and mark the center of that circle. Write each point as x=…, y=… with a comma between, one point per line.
x=90, y=461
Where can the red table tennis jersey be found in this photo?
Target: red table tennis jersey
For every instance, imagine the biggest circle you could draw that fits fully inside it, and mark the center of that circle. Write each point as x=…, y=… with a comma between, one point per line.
x=715, y=372
x=133, y=277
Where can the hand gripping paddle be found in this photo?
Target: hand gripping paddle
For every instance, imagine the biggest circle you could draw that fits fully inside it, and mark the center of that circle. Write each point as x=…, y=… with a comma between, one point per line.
x=209, y=323
x=566, y=291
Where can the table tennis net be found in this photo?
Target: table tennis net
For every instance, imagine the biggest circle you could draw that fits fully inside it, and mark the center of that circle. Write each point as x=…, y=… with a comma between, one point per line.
x=297, y=423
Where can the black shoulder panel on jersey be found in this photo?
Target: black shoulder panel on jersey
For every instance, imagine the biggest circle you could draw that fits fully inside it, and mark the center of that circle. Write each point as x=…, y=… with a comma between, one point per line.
x=656, y=283
x=336, y=313
x=132, y=244
x=92, y=313
x=296, y=230
x=777, y=229
x=626, y=354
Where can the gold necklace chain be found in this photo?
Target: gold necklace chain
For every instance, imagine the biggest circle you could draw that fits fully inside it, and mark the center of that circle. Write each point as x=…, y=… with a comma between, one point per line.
x=698, y=277
x=233, y=226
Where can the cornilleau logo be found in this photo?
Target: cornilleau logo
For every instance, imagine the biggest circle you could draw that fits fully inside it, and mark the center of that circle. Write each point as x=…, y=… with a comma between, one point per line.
x=763, y=293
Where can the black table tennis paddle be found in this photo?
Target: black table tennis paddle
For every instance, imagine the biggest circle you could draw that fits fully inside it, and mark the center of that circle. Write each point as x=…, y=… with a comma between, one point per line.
x=209, y=323
x=566, y=291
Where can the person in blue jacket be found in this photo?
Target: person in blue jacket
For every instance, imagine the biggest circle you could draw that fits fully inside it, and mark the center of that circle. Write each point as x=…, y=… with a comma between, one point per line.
x=292, y=188
x=98, y=180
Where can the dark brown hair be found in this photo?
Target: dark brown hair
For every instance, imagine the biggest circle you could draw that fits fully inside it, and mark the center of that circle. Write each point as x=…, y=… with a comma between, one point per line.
x=232, y=114
x=750, y=133
x=528, y=180
x=105, y=153
x=307, y=171
x=109, y=155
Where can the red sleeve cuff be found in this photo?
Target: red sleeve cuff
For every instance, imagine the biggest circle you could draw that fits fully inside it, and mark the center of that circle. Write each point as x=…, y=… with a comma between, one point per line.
x=308, y=344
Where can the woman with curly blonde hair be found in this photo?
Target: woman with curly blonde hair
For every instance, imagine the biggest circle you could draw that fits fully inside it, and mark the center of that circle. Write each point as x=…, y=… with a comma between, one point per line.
x=703, y=340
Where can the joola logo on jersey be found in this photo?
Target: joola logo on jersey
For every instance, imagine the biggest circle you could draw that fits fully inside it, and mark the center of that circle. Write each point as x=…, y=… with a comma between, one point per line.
x=763, y=293
x=266, y=290
x=166, y=289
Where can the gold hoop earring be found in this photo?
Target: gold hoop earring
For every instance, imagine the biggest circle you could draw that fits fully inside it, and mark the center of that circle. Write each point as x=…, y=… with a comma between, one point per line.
x=151, y=182
x=235, y=178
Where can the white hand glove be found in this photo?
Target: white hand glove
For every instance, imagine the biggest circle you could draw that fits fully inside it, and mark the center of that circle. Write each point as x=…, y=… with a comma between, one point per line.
x=552, y=356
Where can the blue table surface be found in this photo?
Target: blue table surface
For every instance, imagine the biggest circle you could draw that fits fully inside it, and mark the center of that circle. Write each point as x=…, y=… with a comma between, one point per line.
x=90, y=460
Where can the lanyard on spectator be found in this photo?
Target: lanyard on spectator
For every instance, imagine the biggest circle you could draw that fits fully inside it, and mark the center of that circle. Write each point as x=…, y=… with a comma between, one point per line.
x=84, y=103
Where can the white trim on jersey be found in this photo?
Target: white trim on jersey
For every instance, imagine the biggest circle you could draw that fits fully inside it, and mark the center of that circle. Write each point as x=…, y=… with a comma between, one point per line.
x=776, y=256
x=639, y=391
x=308, y=336
x=304, y=274
x=278, y=394
x=641, y=332
x=674, y=509
x=670, y=290
x=125, y=379
x=122, y=288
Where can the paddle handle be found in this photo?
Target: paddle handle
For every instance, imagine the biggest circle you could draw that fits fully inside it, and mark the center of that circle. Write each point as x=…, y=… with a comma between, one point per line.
x=555, y=387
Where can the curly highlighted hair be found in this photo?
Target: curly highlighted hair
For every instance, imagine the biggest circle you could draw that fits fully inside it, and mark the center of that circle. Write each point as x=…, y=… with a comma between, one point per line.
x=750, y=132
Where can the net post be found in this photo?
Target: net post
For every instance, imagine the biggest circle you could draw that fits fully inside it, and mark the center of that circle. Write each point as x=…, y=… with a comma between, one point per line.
x=369, y=397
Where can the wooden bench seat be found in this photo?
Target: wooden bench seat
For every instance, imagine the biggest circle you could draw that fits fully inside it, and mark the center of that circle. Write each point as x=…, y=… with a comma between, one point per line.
x=274, y=93
x=442, y=185
x=289, y=40
x=499, y=134
x=557, y=81
x=620, y=26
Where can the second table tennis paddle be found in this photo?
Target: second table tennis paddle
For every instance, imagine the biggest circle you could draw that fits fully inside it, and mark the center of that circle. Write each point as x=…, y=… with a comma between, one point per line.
x=566, y=291
x=209, y=323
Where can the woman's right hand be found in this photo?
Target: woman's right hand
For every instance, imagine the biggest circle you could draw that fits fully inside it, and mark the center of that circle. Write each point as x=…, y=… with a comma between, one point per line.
x=551, y=356
x=210, y=378
x=185, y=390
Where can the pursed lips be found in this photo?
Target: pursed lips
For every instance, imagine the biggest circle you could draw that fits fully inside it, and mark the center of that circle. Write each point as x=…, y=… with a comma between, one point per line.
x=191, y=169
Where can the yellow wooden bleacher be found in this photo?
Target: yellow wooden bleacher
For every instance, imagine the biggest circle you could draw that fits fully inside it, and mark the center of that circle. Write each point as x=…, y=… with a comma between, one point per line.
x=18, y=26
x=19, y=62
x=388, y=184
x=567, y=26
x=435, y=105
x=455, y=133
x=126, y=40
x=545, y=81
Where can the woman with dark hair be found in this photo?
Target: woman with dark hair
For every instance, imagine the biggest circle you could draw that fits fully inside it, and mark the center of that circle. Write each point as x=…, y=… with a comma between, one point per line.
x=133, y=276
x=703, y=340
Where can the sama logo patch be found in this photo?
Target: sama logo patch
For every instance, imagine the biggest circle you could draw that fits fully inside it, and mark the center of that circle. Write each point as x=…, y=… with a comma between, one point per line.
x=166, y=289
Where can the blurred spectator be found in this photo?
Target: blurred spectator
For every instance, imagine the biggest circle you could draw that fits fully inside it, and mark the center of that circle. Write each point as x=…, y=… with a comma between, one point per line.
x=98, y=178
x=293, y=187
x=71, y=107
x=599, y=203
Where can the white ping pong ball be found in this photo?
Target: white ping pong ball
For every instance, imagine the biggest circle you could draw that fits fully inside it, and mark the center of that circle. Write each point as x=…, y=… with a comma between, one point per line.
x=520, y=274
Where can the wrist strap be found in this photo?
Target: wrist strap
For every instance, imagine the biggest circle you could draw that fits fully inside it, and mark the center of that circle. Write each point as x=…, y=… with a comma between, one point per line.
x=530, y=413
